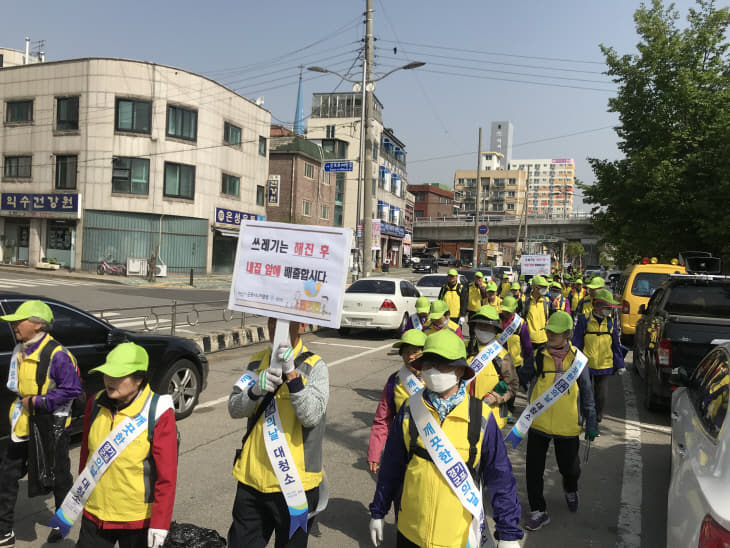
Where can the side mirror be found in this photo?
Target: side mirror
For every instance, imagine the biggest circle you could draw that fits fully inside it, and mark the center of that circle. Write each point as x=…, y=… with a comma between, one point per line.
x=642, y=309
x=115, y=337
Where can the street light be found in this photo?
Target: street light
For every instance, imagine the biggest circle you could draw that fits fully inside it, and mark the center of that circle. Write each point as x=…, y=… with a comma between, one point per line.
x=364, y=162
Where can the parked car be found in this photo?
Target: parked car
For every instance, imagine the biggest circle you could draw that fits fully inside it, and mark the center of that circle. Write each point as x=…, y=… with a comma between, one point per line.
x=447, y=260
x=676, y=329
x=177, y=366
x=430, y=285
x=378, y=303
x=426, y=264
x=470, y=273
x=500, y=270
x=698, y=505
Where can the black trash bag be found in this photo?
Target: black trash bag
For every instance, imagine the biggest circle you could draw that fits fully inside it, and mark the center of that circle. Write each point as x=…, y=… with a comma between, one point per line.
x=45, y=432
x=187, y=535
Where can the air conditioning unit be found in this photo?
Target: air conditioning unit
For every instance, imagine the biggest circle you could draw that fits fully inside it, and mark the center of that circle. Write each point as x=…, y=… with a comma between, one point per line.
x=161, y=270
x=136, y=266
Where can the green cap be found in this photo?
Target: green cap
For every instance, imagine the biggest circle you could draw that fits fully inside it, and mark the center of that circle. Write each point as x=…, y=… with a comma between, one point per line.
x=438, y=309
x=559, y=322
x=422, y=305
x=578, y=282
x=556, y=285
x=522, y=277
x=509, y=304
x=488, y=315
x=606, y=298
x=123, y=360
x=478, y=275
x=515, y=285
x=597, y=283
x=505, y=275
x=453, y=272
x=414, y=337
x=491, y=286
x=30, y=309
x=445, y=347
x=539, y=281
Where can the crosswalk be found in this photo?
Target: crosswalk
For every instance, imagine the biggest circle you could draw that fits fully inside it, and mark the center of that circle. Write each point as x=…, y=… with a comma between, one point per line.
x=20, y=283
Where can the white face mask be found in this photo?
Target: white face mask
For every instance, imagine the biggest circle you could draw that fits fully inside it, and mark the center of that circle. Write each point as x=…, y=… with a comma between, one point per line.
x=437, y=381
x=543, y=291
x=603, y=313
x=484, y=337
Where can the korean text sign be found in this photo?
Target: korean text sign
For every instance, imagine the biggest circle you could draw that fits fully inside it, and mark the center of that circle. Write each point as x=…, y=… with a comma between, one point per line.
x=532, y=265
x=292, y=272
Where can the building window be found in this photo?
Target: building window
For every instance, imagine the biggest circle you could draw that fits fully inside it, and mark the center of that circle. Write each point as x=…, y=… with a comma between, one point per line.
x=18, y=167
x=231, y=185
x=131, y=175
x=325, y=178
x=262, y=145
x=330, y=131
x=19, y=112
x=182, y=123
x=231, y=134
x=179, y=181
x=307, y=208
x=67, y=113
x=133, y=115
x=325, y=212
x=66, y=172
x=375, y=150
x=260, y=195
x=309, y=171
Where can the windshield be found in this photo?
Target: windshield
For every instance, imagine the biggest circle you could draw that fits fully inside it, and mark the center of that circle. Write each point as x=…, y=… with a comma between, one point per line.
x=693, y=300
x=646, y=283
x=431, y=281
x=381, y=287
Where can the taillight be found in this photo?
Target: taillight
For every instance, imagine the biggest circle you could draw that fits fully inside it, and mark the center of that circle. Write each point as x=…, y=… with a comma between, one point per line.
x=713, y=535
x=664, y=353
x=625, y=307
x=388, y=305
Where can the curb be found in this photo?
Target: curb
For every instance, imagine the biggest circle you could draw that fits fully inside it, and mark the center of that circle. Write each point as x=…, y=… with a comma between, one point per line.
x=235, y=338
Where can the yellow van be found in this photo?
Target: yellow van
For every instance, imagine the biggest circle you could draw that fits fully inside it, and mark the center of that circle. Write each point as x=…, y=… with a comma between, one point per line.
x=636, y=285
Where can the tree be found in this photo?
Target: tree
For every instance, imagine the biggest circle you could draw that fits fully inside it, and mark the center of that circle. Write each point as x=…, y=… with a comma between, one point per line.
x=670, y=191
x=574, y=251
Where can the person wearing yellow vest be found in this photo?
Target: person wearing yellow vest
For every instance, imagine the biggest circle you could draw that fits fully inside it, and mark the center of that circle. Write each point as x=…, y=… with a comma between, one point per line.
x=519, y=345
x=431, y=515
x=133, y=499
x=53, y=393
x=505, y=287
x=585, y=306
x=455, y=296
x=566, y=288
x=439, y=319
x=562, y=422
x=477, y=294
x=394, y=395
x=575, y=296
x=516, y=292
x=536, y=310
x=299, y=383
x=497, y=383
x=420, y=318
x=559, y=302
x=492, y=298
x=597, y=336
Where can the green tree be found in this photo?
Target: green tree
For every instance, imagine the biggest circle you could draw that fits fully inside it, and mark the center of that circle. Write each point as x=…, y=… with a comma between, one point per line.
x=574, y=251
x=670, y=191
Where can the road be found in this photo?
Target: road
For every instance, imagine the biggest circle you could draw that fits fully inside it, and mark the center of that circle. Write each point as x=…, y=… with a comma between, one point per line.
x=623, y=487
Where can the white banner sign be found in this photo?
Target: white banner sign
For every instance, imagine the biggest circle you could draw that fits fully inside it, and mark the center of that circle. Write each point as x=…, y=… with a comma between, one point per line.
x=292, y=272
x=532, y=265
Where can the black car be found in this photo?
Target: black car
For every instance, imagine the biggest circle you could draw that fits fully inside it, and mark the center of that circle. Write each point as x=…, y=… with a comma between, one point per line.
x=177, y=366
x=426, y=264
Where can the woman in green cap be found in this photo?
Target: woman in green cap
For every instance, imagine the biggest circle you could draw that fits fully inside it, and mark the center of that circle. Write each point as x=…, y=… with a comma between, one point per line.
x=420, y=318
x=556, y=296
x=398, y=388
x=492, y=297
x=128, y=461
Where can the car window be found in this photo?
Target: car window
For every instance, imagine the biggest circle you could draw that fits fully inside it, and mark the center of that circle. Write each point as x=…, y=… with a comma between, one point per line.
x=708, y=389
x=653, y=304
x=622, y=283
x=7, y=341
x=468, y=274
x=381, y=287
x=71, y=328
x=407, y=290
x=697, y=300
x=431, y=281
x=645, y=283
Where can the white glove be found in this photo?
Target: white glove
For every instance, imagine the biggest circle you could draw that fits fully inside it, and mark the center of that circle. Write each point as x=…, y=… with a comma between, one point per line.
x=621, y=371
x=268, y=381
x=376, y=531
x=284, y=358
x=156, y=538
x=461, y=321
x=508, y=544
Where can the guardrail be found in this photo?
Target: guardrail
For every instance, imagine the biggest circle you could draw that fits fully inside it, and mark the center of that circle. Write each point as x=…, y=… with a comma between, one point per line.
x=453, y=221
x=168, y=317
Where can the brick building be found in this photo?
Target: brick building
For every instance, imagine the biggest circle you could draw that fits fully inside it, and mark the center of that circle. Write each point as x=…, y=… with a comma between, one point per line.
x=432, y=200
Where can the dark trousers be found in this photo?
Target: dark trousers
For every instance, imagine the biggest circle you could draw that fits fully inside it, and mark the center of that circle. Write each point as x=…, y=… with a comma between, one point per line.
x=257, y=515
x=566, y=453
x=600, y=391
x=403, y=542
x=14, y=466
x=91, y=536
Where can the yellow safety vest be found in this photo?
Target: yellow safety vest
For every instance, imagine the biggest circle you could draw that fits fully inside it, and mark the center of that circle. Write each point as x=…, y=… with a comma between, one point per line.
x=485, y=382
x=597, y=343
x=452, y=298
x=562, y=418
x=475, y=298
x=514, y=346
x=537, y=317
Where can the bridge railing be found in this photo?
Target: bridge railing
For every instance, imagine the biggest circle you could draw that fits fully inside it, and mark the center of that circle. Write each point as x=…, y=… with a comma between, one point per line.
x=469, y=220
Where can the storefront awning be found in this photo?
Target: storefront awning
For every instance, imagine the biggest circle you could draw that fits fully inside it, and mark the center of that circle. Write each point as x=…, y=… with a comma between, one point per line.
x=418, y=246
x=227, y=233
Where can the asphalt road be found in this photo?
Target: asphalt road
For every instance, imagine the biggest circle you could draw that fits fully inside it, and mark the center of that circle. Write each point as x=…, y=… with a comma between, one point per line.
x=623, y=487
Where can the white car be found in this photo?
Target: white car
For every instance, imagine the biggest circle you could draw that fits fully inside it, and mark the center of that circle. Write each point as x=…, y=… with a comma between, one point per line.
x=378, y=303
x=698, y=509
x=430, y=285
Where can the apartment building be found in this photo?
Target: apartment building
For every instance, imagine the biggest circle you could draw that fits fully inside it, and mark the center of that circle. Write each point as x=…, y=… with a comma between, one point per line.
x=502, y=190
x=551, y=185
x=432, y=201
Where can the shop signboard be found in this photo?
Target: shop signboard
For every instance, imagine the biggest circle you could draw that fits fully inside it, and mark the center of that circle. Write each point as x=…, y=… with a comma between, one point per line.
x=392, y=230
x=40, y=205
x=272, y=190
x=376, y=234
x=291, y=272
x=233, y=217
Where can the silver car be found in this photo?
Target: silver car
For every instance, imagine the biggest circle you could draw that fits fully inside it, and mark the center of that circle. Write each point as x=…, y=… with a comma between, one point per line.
x=698, y=510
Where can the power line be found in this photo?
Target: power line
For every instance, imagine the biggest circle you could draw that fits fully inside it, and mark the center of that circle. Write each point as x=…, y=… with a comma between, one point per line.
x=531, y=82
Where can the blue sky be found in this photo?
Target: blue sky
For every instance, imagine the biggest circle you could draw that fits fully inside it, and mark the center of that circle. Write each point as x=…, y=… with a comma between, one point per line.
x=510, y=50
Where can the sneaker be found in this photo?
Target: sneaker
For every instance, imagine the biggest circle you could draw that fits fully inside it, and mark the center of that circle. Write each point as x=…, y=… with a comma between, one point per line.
x=572, y=500
x=7, y=540
x=537, y=520
x=55, y=535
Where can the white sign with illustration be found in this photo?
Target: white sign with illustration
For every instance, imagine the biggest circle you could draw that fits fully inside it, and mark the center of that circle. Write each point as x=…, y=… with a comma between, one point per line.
x=291, y=272
x=533, y=265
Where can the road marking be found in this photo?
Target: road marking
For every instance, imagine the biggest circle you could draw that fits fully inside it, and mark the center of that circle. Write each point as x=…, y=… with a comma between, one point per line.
x=211, y=403
x=629, y=517
x=338, y=344
x=655, y=428
x=343, y=360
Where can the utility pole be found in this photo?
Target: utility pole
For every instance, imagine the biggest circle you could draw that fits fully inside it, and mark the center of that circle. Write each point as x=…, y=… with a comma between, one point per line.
x=478, y=202
x=367, y=228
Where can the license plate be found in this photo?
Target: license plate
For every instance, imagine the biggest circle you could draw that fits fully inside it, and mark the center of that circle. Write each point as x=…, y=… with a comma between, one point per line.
x=358, y=322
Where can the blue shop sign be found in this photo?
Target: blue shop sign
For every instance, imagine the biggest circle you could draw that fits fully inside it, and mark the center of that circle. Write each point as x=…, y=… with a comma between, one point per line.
x=41, y=204
x=231, y=217
x=392, y=230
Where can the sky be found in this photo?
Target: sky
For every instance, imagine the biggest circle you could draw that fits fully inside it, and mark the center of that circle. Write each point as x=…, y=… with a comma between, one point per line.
x=535, y=63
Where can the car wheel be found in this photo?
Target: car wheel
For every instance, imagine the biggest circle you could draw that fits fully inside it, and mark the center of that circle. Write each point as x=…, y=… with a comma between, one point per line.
x=182, y=382
x=636, y=359
x=650, y=400
x=344, y=331
x=402, y=325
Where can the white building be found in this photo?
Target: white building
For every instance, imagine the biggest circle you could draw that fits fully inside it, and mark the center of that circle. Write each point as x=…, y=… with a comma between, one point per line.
x=550, y=185
x=501, y=141
x=119, y=159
